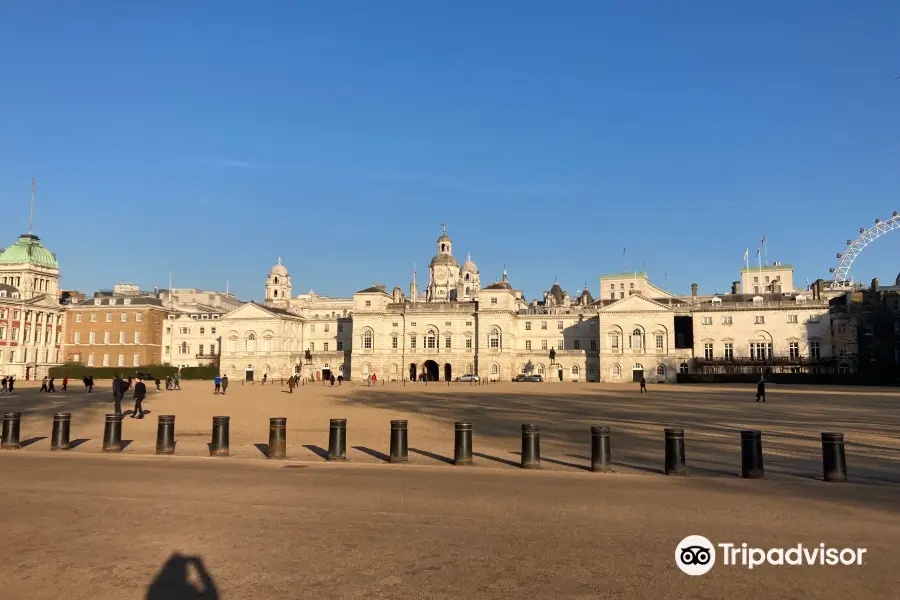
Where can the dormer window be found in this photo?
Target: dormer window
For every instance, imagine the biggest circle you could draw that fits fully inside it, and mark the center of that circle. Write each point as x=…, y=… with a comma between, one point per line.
x=96, y=301
x=126, y=301
x=2, y=293
x=757, y=299
x=717, y=300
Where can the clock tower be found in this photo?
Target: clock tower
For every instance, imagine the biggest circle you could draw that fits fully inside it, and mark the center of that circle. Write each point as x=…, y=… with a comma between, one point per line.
x=443, y=272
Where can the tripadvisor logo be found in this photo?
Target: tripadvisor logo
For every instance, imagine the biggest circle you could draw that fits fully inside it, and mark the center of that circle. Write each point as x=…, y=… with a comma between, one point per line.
x=696, y=555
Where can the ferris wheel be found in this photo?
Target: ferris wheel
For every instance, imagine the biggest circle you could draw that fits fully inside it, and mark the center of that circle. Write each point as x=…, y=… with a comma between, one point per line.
x=842, y=277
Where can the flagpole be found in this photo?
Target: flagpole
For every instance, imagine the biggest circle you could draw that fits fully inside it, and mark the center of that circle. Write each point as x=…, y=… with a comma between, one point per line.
x=625, y=258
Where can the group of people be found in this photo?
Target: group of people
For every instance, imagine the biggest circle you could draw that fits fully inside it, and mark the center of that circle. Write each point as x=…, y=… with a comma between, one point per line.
x=173, y=382
x=8, y=383
x=221, y=383
x=120, y=386
x=48, y=385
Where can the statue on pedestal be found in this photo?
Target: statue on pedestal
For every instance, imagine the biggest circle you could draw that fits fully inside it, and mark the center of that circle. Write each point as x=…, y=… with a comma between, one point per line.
x=552, y=355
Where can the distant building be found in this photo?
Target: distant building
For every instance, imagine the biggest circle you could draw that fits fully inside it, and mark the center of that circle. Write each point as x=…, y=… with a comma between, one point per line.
x=866, y=324
x=191, y=334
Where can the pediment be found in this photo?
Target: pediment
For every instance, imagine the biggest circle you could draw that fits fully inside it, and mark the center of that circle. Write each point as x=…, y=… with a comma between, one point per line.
x=635, y=304
x=250, y=310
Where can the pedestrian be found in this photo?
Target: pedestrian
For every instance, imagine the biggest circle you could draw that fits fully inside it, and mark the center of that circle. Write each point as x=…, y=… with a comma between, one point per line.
x=177, y=381
x=11, y=383
x=65, y=386
x=643, y=384
x=761, y=390
x=4, y=389
x=118, y=392
x=90, y=384
x=332, y=379
x=224, y=383
x=140, y=390
x=340, y=380
x=157, y=384
x=218, y=382
x=50, y=386
x=265, y=376
x=84, y=381
x=44, y=384
x=291, y=385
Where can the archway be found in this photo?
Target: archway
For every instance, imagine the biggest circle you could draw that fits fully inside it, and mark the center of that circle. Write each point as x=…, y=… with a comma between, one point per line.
x=412, y=371
x=448, y=372
x=248, y=373
x=637, y=372
x=430, y=370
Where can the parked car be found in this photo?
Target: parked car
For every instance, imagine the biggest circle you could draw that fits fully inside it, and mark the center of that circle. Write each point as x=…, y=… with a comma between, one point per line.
x=520, y=377
x=535, y=378
x=468, y=377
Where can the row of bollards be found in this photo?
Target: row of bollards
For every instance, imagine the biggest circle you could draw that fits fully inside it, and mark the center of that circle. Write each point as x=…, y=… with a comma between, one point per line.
x=834, y=463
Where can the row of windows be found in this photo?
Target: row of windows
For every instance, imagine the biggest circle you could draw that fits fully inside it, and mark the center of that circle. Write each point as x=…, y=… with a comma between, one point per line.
x=759, y=319
x=13, y=332
x=762, y=350
x=187, y=330
x=107, y=337
x=123, y=317
x=184, y=349
x=31, y=354
x=575, y=370
x=135, y=360
x=39, y=315
x=636, y=340
x=559, y=325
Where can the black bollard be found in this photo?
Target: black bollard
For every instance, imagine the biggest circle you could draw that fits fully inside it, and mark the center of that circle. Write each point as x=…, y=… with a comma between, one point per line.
x=277, y=437
x=399, y=452
x=59, y=436
x=675, y=463
x=601, y=458
x=531, y=447
x=462, y=447
x=12, y=422
x=219, y=444
x=165, y=435
x=834, y=462
x=112, y=433
x=751, y=454
x=337, y=439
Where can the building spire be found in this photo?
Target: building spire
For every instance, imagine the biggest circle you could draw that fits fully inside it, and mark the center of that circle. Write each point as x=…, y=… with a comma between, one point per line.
x=31, y=214
x=279, y=260
x=443, y=228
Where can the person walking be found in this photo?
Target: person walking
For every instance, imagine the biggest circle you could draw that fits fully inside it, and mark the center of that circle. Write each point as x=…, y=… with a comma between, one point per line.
x=643, y=384
x=340, y=380
x=90, y=381
x=332, y=379
x=140, y=391
x=11, y=383
x=4, y=387
x=224, y=383
x=44, y=384
x=761, y=390
x=265, y=377
x=177, y=382
x=50, y=386
x=157, y=384
x=65, y=386
x=218, y=382
x=291, y=385
x=118, y=392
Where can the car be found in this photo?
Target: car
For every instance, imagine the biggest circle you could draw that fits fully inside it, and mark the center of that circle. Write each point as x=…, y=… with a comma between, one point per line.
x=535, y=378
x=520, y=377
x=468, y=377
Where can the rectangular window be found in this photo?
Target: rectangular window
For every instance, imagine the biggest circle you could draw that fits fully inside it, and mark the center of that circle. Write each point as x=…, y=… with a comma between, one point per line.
x=559, y=344
x=527, y=325
x=93, y=317
x=121, y=337
x=528, y=344
x=707, y=320
x=109, y=317
x=707, y=351
x=78, y=318
x=312, y=328
x=368, y=303
x=92, y=337
x=447, y=324
x=105, y=337
x=759, y=320
x=412, y=323
x=27, y=335
x=312, y=346
x=136, y=360
x=202, y=330
x=660, y=342
x=814, y=350
x=168, y=350
x=578, y=344
x=593, y=344
x=794, y=350
x=327, y=328
x=90, y=360
x=543, y=344
x=468, y=323
x=412, y=342
x=106, y=360
x=729, y=351
x=468, y=342
x=123, y=318
x=559, y=325
x=137, y=336
x=212, y=330
x=340, y=346
x=792, y=318
x=395, y=342
x=493, y=301
x=77, y=336
x=121, y=362
x=340, y=328
x=138, y=317
x=212, y=349
x=614, y=341
x=447, y=342
x=325, y=346
x=543, y=324
x=200, y=350
x=727, y=320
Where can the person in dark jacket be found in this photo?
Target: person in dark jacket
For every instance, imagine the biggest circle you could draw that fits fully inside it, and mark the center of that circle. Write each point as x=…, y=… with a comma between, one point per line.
x=90, y=383
x=224, y=383
x=140, y=392
x=50, y=386
x=643, y=385
x=761, y=390
x=65, y=386
x=157, y=384
x=118, y=393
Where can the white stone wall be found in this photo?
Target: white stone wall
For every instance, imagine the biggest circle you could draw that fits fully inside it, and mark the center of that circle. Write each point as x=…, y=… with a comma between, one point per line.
x=622, y=319
x=257, y=341
x=185, y=333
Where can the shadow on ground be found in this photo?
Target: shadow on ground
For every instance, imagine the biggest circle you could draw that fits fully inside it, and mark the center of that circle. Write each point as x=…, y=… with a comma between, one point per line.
x=183, y=578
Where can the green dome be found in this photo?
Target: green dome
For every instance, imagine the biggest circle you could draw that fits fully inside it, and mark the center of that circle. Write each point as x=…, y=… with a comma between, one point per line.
x=28, y=249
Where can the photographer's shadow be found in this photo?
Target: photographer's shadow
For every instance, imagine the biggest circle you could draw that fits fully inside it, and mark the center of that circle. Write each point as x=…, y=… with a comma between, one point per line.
x=183, y=578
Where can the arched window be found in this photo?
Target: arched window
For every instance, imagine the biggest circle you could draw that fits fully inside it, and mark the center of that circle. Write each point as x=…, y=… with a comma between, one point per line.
x=616, y=371
x=540, y=369
x=267, y=344
x=232, y=344
x=467, y=289
x=251, y=342
x=494, y=339
x=276, y=280
x=575, y=370
x=368, y=341
x=661, y=370
x=467, y=278
x=683, y=368
x=495, y=369
x=637, y=339
x=431, y=339
x=275, y=293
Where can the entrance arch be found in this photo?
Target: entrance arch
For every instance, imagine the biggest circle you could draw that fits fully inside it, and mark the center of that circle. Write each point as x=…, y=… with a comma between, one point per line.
x=448, y=372
x=412, y=371
x=430, y=370
x=637, y=372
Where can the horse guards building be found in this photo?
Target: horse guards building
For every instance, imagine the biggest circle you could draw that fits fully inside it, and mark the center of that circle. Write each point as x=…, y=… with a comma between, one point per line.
x=457, y=325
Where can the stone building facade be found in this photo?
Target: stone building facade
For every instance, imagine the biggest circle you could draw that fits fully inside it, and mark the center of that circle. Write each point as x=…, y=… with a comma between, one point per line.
x=192, y=335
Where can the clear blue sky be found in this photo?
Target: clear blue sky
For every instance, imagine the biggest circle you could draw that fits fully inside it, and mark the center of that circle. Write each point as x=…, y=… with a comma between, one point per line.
x=208, y=138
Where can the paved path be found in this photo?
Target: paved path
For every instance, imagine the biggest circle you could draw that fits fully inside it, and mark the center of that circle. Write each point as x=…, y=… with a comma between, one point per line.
x=81, y=526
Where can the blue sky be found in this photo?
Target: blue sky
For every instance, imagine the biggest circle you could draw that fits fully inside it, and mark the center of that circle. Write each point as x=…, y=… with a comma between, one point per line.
x=208, y=138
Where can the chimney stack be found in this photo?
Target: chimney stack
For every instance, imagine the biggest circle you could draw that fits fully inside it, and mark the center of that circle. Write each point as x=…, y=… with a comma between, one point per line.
x=875, y=285
x=735, y=287
x=693, y=290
